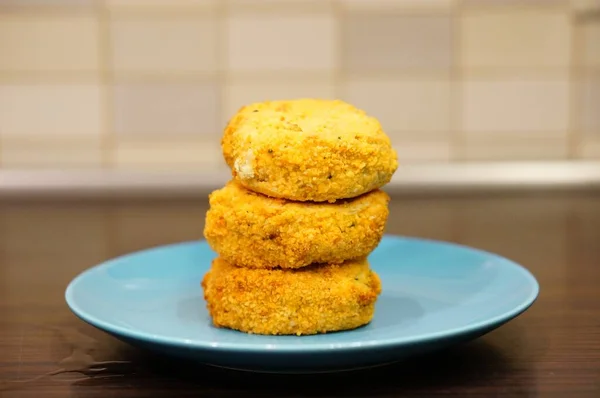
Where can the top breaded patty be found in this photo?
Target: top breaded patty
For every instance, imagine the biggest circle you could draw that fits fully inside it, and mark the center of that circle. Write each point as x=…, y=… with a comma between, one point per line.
x=308, y=150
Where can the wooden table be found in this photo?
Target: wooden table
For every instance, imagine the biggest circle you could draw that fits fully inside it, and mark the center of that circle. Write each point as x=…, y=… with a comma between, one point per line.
x=551, y=350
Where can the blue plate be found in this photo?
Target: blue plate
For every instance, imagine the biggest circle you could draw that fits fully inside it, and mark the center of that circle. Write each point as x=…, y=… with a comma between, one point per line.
x=434, y=294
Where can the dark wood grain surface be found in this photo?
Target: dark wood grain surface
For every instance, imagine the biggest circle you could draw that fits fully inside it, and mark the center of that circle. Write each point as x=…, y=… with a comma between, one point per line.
x=551, y=350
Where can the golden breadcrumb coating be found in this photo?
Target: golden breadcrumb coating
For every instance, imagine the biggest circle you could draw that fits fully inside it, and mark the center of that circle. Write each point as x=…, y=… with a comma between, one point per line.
x=252, y=230
x=308, y=150
x=309, y=300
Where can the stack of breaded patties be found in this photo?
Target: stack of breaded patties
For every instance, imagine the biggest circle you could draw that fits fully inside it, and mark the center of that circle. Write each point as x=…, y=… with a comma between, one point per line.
x=295, y=225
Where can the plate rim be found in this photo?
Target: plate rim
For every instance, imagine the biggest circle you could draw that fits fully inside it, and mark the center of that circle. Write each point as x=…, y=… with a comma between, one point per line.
x=308, y=348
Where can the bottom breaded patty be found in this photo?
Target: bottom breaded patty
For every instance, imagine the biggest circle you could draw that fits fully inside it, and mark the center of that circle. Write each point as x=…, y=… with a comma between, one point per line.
x=309, y=300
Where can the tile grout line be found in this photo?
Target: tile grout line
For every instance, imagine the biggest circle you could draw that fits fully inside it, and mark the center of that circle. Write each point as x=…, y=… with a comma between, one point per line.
x=514, y=7
x=222, y=71
x=457, y=138
x=107, y=139
x=282, y=9
x=574, y=138
x=46, y=11
x=338, y=76
x=42, y=77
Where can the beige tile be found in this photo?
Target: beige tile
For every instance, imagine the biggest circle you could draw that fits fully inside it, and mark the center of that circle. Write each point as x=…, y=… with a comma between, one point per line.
x=585, y=5
x=375, y=42
x=590, y=106
x=525, y=148
x=520, y=3
x=156, y=44
x=591, y=44
x=383, y=5
x=48, y=3
x=416, y=106
x=239, y=92
x=502, y=106
x=516, y=38
x=145, y=4
x=167, y=109
x=285, y=6
x=281, y=42
x=161, y=153
x=35, y=43
x=590, y=149
x=50, y=152
x=50, y=109
x=417, y=150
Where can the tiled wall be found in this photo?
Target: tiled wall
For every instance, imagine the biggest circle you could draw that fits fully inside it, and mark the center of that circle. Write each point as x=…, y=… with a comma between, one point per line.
x=138, y=84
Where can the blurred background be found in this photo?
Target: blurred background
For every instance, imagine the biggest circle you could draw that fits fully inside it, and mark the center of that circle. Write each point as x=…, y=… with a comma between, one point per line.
x=148, y=85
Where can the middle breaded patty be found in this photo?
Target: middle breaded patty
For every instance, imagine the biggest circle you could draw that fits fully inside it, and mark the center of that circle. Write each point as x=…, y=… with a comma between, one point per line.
x=254, y=231
x=309, y=300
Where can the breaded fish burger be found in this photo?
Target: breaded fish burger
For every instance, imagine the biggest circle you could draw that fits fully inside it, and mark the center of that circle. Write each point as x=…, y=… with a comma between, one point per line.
x=308, y=150
x=309, y=300
x=255, y=231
